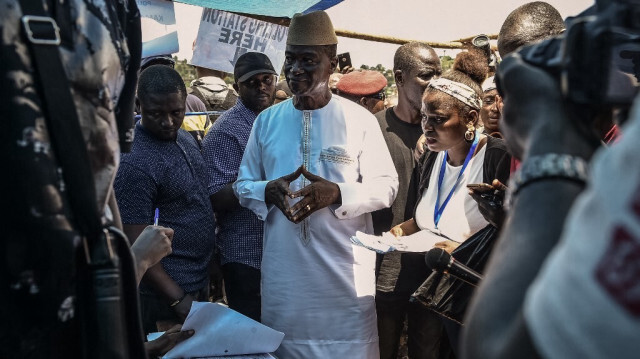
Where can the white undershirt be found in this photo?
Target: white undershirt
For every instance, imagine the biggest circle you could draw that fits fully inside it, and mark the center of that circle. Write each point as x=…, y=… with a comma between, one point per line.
x=461, y=217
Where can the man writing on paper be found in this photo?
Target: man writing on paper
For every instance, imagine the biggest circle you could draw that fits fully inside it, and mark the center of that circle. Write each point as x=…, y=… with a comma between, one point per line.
x=165, y=170
x=314, y=167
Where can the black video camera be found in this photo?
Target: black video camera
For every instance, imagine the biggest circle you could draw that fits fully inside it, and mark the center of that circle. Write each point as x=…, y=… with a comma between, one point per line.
x=597, y=59
x=481, y=42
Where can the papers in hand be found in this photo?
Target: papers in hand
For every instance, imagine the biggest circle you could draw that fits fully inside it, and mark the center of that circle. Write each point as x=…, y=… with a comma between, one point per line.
x=379, y=244
x=222, y=332
x=421, y=241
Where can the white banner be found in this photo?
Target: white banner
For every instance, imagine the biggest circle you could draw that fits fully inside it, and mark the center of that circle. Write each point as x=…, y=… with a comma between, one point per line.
x=159, y=30
x=223, y=37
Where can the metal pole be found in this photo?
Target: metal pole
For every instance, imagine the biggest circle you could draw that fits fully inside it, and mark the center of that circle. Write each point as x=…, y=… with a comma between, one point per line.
x=396, y=40
x=459, y=44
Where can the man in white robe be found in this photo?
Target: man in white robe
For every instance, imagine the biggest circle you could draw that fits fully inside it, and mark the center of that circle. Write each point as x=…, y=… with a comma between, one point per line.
x=315, y=166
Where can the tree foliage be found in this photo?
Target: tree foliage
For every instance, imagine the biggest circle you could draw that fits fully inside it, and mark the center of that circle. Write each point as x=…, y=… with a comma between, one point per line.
x=186, y=71
x=446, y=61
x=387, y=73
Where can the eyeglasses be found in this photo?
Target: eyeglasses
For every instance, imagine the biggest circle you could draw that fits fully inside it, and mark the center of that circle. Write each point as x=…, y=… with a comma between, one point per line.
x=380, y=96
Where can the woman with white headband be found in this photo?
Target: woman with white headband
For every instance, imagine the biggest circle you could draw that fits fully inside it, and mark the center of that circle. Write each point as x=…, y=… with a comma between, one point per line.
x=458, y=155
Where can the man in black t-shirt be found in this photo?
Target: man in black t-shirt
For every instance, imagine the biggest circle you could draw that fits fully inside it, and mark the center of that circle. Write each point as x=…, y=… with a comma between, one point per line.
x=399, y=275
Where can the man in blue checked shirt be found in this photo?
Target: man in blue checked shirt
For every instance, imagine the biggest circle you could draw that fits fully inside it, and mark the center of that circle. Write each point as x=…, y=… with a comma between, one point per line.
x=239, y=231
x=165, y=170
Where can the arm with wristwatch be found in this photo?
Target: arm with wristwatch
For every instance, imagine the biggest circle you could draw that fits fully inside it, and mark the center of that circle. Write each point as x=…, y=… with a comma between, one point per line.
x=176, y=298
x=552, y=175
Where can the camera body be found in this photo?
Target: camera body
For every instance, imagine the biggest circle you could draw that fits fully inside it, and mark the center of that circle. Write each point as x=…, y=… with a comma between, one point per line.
x=481, y=42
x=597, y=60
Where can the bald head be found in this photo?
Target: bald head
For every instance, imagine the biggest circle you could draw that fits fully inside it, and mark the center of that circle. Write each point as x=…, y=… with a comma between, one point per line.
x=411, y=55
x=414, y=65
x=529, y=23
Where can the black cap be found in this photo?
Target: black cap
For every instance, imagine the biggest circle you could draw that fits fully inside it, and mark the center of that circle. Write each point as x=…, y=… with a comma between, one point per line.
x=157, y=60
x=252, y=63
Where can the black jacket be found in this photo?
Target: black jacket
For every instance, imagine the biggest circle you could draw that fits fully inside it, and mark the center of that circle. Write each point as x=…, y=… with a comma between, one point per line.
x=442, y=293
x=497, y=165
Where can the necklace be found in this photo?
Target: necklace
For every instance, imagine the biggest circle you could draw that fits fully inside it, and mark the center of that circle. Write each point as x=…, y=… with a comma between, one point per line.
x=437, y=213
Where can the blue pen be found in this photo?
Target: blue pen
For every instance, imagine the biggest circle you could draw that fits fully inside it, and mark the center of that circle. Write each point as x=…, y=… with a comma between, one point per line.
x=156, y=217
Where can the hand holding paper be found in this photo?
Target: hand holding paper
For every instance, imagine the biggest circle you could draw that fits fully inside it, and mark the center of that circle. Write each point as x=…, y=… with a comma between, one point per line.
x=220, y=331
x=421, y=241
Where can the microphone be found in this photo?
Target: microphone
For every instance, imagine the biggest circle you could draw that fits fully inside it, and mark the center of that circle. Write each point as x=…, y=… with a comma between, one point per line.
x=441, y=261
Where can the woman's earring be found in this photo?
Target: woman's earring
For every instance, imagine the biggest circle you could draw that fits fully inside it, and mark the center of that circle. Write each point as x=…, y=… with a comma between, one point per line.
x=470, y=135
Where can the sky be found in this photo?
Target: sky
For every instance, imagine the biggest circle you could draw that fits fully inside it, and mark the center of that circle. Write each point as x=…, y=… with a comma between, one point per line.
x=426, y=20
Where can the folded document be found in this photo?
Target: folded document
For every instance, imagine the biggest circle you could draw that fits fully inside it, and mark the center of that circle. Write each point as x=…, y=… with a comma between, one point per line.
x=221, y=332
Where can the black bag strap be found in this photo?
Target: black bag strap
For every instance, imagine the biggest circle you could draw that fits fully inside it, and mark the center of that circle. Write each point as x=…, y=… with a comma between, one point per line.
x=110, y=324
x=43, y=37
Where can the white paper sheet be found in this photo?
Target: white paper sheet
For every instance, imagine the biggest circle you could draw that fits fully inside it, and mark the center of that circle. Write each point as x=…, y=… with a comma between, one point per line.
x=159, y=29
x=220, y=331
x=224, y=36
x=421, y=241
x=154, y=336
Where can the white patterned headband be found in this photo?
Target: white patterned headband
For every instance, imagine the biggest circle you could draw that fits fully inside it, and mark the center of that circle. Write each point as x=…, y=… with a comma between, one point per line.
x=458, y=90
x=489, y=84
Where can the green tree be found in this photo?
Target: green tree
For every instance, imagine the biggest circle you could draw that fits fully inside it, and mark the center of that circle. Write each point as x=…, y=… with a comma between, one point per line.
x=186, y=71
x=228, y=79
x=446, y=61
x=387, y=73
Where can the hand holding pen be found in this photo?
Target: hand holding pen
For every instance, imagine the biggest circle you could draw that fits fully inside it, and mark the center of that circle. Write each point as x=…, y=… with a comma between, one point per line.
x=153, y=244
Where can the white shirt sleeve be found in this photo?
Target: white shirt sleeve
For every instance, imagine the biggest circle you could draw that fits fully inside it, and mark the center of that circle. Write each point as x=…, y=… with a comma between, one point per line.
x=251, y=182
x=379, y=180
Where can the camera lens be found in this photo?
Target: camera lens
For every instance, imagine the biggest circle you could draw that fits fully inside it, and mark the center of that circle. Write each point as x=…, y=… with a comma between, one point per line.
x=480, y=41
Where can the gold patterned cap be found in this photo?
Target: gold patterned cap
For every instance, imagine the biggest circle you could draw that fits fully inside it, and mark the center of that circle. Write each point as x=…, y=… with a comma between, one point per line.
x=314, y=28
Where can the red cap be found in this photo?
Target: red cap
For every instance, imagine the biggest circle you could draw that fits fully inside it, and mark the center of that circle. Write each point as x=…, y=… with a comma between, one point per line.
x=362, y=83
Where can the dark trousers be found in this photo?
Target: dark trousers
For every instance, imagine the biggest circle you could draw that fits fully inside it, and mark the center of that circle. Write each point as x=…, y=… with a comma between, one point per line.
x=154, y=308
x=453, y=330
x=426, y=337
x=242, y=286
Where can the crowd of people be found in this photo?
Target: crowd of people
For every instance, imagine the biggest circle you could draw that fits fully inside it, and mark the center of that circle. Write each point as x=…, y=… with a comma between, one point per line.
x=255, y=208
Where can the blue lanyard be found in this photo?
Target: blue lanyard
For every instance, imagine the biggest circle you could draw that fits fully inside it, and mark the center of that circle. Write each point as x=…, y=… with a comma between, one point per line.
x=437, y=213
